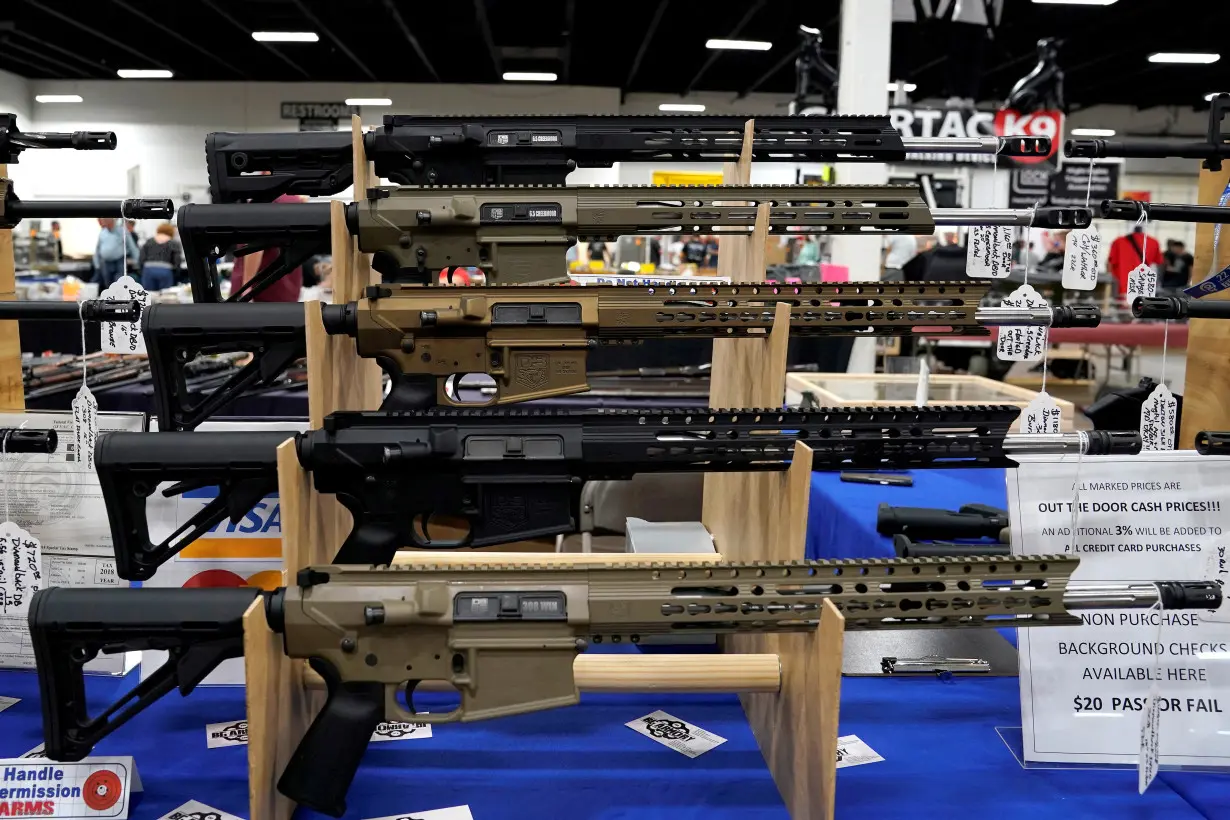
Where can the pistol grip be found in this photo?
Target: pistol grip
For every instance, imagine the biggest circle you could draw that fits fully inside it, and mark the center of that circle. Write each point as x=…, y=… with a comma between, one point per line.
x=322, y=768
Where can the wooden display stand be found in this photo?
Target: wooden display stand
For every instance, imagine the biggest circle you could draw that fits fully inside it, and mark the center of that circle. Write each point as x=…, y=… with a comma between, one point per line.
x=283, y=695
x=1206, y=396
x=763, y=517
x=12, y=390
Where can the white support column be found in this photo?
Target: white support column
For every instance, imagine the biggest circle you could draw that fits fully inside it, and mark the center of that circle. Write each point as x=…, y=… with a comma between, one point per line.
x=866, y=48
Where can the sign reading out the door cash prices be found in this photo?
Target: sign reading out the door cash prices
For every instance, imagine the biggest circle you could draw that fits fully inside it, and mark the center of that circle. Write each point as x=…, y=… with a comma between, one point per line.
x=1156, y=516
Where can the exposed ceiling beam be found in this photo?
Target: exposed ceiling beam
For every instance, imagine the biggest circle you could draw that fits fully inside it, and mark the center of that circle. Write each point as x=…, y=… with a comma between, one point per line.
x=763, y=78
x=153, y=21
x=94, y=32
x=22, y=61
x=410, y=38
x=8, y=45
x=734, y=34
x=484, y=26
x=570, y=19
x=337, y=41
x=105, y=70
x=649, y=32
x=248, y=32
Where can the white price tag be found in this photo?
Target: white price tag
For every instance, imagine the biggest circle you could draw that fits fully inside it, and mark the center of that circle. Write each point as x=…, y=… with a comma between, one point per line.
x=227, y=733
x=6, y=702
x=451, y=813
x=196, y=810
x=85, y=428
x=1150, y=741
x=1142, y=281
x=124, y=337
x=1017, y=343
x=851, y=751
x=400, y=730
x=990, y=252
x=21, y=569
x=1080, y=260
x=1158, y=415
x=1041, y=415
x=924, y=383
x=685, y=738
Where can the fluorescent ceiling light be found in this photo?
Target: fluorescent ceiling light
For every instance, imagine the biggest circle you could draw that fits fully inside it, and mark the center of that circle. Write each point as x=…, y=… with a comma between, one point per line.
x=903, y=86
x=1209, y=97
x=57, y=98
x=285, y=36
x=694, y=107
x=1183, y=57
x=1078, y=2
x=369, y=101
x=740, y=45
x=530, y=76
x=145, y=74
x=1093, y=132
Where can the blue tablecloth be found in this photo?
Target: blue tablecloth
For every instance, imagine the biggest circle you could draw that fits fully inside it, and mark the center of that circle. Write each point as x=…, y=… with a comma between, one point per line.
x=841, y=521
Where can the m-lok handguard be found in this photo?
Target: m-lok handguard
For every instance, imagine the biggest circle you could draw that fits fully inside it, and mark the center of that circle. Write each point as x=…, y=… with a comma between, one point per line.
x=298, y=230
x=131, y=466
x=199, y=628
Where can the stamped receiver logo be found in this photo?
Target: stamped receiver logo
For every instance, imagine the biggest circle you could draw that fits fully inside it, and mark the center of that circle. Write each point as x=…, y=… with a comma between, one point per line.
x=532, y=370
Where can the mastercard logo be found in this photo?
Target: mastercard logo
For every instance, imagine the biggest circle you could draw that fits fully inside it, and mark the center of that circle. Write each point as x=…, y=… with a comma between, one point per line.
x=269, y=579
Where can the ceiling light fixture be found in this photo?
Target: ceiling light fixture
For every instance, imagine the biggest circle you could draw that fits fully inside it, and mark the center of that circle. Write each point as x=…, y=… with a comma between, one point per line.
x=739, y=45
x=57, y=98
x=1093, y=132
x=144, y=74
x=907, y=87
x=695, y=108
x=369, y=101
x=1078, y=2
x=1209, y=97
x=1183, y=57
x=530, y=76
x=285, y=36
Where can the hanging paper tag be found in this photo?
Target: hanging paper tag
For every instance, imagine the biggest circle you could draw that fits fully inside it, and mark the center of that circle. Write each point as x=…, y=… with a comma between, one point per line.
x=1158, y=415
x=1080, y=260
x=85, y=429
x=990, y=252
x=1041, y=415
x=124, y=337
x=1022, y=344
x=21, y=569
x=924, y=383
x=1142, y=281
x=1150, y=743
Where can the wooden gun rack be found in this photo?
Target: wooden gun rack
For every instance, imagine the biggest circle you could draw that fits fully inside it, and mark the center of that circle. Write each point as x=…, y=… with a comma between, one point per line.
x=789, y=684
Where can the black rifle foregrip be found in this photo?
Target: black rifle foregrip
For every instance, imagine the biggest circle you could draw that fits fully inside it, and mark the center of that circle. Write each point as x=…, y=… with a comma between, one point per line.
x=1065, y=218
x=69, y=627
x=1113, y=443
x=147, y=208
x=1024, y=146
x=16, y=440
x=1189, y=594
x=323, y=766
x=1213, y=443
x=906, y=548
x=1076, y=316
x=927, y=523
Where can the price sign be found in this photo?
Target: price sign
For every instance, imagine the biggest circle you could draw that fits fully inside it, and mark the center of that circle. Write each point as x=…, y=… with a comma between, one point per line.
x=1086, y=690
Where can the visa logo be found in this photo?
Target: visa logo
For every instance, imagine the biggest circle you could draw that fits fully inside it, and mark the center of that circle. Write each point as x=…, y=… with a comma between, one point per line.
x=258, y=534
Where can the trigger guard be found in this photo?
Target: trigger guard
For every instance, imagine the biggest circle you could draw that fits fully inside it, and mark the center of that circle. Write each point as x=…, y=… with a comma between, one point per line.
x=393, y=710
x=426, y=542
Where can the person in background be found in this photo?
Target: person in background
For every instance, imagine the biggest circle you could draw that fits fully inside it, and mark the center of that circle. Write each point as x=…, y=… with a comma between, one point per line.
x=161, y=257
x=655, y=252
x=694, y=251
x=1130, y=250
x=809, y=251
x=899, y=249
x=114, y=243
x=285, y=289
x=598, y=253
x=1177, y=272
x=711, y=252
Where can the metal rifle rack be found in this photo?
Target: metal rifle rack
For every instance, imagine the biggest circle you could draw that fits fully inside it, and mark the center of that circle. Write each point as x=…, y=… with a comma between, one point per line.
x=283, y=696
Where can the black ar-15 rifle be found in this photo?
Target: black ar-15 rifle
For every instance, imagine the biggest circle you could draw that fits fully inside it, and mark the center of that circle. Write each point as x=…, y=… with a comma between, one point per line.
x=517, y=474
x=487, y=150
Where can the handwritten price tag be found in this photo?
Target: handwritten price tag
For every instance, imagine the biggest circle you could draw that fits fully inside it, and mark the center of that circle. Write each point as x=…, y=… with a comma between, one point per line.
x=85, y=428
x=1142, y=281
x=923, y=389
x=1150, y=740
x=1080, y=260
x=1022, y=344
x=990, y=252
x=1041, y=415
x=124, y=337
x=1158, y=415
x=21, y=569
